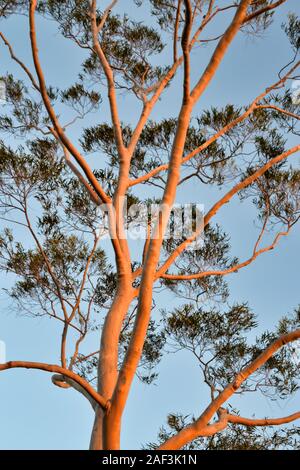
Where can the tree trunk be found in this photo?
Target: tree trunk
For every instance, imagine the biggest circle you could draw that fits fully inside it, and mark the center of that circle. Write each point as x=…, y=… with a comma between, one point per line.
x=106, y=431
x=104, y=427
x=111, y=431
x=96, y=442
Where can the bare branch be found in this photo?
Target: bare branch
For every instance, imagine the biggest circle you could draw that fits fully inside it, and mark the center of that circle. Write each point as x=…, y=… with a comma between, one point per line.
x=233, y=269
x=252, y=422
x=43, y=90
x=22, y=65
x=105, y=15
x=109, y=76
x=59, y=370
x=192, y=431
x=176, y=31
x=65, y=382
x=263, y=10
x=185, y=44
x=224, y=200
x=220, y=50
x=280, y=110
x=253, y=106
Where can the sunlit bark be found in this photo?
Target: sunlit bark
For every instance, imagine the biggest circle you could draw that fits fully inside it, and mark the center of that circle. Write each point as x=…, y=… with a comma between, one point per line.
x=114, y=382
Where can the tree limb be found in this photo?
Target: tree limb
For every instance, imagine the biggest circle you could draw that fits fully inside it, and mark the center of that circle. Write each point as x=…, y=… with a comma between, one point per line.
x=43, y=90
x=263, y=10
x=224, y=200
x=233, y=269
x=251, y=422
x=62, y=371
x=192, y=431
x=251, y=108
x=65, y=382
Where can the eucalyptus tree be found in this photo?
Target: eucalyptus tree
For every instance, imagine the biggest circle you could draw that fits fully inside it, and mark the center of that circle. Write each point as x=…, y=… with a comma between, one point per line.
x=55, y=186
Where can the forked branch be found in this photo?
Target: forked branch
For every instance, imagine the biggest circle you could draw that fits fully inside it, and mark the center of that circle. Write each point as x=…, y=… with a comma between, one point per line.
x=194, y=430
x=224, y=200
x=232, y=269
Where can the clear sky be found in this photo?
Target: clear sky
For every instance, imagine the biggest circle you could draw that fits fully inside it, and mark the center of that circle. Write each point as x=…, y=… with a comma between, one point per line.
x=36, y=415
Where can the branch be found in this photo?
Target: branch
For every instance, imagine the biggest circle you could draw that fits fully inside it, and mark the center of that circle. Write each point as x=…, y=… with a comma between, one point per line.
x=95, y=198
x=93, y=195
x=191, y=432
x=53, y=277
x=105, y=15
x=224, y=200
x=233, y=269
x=212, y=429
x=253, y=106
x=67, y=145
x=176, y=31
x=46, y=260
x=124, y=155
x=59, y=370
x=65, y=382
x=162, y=84
x=248, y=181
x=185, y=44
x=108, y=73
x=262, y=422
x=263, y=10
x=220, y=50
x=280, y=110
x=78, y=300
x=22, y=65
x=43, y=90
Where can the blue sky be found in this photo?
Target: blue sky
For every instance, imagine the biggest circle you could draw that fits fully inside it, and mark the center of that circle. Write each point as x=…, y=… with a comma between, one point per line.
x=36, y=415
